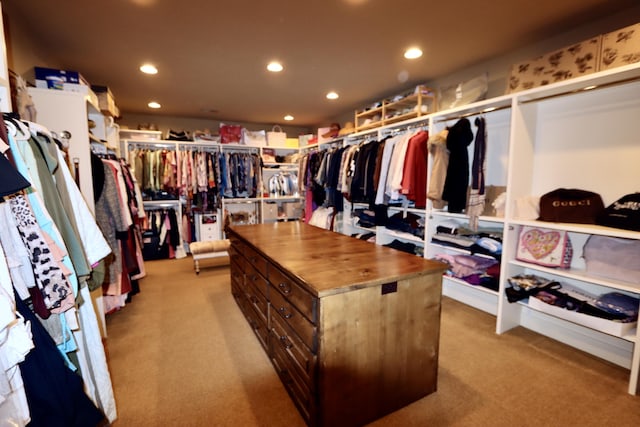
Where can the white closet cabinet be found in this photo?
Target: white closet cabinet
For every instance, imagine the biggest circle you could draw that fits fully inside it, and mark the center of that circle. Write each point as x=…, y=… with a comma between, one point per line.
x=497, y=115
x=577, y=134
x=280, y=202
x=59, y=111
x=582, y=133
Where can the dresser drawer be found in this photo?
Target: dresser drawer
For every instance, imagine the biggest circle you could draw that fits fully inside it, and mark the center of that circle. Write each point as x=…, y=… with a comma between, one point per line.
x=238, y=294
x=237, y=274
x=235, y=255
x=295, y=386
x=303, y=359
x=256, y=279
x=283, y=309
x=306, y=303
x=254, y=258
x=257, y=300
x=257, y=323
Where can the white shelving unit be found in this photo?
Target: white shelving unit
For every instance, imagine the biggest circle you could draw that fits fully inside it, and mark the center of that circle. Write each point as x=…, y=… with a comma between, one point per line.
x=285, y=205
x=576, y=134
x=60, y=110
x=256, y=207
x=580, y=133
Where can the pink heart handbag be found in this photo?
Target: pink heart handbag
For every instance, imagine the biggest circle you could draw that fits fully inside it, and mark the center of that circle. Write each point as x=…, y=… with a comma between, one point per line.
x=549, y=248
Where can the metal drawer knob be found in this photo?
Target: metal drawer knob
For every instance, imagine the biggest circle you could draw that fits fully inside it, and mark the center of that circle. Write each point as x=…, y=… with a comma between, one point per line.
x=284, y=313
x=285, y=288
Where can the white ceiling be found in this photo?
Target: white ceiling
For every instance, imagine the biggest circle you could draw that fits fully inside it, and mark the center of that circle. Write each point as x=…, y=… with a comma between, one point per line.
x=212, y=54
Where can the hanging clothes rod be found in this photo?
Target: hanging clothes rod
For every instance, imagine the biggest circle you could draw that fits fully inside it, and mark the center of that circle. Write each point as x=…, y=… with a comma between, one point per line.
x=160, y=204
x=584, y=89
x=405, y=128
x=151, y=145
x=236, y=147
x=474, y=113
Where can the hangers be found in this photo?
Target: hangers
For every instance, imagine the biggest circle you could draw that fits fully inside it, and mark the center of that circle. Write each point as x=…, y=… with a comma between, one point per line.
x=16, y=127
x=36, y=129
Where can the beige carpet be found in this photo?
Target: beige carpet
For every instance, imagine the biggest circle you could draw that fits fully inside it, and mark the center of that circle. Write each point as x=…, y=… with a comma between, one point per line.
x=181, y=354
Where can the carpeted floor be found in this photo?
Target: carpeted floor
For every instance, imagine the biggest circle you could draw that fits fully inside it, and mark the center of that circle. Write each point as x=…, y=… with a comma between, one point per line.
x=181, y=354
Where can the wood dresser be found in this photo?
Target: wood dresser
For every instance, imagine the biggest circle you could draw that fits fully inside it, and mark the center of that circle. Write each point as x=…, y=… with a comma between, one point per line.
x=352, y=328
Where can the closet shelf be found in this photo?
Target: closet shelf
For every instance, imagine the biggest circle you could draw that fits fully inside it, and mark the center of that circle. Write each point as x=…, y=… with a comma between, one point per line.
x=626, y=331
x=400, y=235
x=465, y=217
x=581, y=275
x=419, y=103
x=469, y=285
x=580, y=228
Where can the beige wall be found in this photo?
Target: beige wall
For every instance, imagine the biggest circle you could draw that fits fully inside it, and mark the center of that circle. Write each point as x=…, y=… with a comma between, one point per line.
x=23, y=53
x=499, y=68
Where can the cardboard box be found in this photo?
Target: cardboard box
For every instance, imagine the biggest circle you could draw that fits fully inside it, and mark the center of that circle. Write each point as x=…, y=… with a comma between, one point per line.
x=106, y=101
x=621, y=47
x=572, y=61
x=293, y=209
x=271, y=211
x=291, y=143
x=54, y=79
x=140, y=134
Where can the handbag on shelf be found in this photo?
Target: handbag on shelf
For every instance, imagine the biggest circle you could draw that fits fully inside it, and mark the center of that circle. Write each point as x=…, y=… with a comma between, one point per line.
x=548, y=248
x=254, y=138
x=230, y=134
x=624, y=213
x=276, y=137
x=571, y=205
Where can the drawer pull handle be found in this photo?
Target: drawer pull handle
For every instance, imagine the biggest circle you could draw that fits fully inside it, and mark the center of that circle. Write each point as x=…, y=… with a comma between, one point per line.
x=284, y=313
x=254, y=278
x=254, y=299
x=287, y=344
x=286, y=289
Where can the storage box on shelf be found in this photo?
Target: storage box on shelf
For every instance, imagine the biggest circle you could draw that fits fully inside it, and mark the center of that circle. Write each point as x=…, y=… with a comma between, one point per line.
x=106, y=101
x=420, y=102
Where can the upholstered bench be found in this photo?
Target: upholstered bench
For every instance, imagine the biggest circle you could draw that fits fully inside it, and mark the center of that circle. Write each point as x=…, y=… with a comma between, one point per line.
x=208, y=249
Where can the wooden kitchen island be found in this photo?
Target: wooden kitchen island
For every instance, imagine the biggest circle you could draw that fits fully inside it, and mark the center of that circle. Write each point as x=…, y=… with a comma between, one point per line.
x=352, y=328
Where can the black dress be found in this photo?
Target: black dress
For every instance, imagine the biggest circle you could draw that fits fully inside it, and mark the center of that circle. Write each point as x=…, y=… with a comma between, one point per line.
x=455, y=185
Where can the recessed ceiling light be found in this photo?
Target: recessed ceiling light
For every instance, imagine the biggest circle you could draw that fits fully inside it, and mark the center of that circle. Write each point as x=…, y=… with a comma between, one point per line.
x=154, y=104
x=332, y=95
x=288, y=117
x=412, y=53
x=148, y=69
x=275, y=67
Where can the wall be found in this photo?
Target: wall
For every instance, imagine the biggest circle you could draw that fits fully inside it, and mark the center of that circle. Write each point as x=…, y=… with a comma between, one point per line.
x=23, y=52
x=500, y=67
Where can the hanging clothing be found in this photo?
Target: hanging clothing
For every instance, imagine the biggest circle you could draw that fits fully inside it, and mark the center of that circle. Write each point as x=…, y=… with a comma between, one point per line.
x=477, y=193
x=457, y=181
x=440, y=160
x=55, y=394
x=15, y=344
x=414, y=177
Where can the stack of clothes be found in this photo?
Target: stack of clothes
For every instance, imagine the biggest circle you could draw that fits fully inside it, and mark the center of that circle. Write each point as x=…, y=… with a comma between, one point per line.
x=481, y=266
